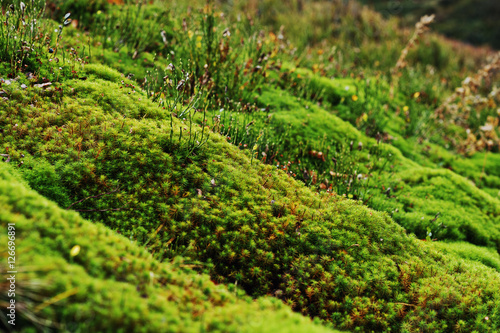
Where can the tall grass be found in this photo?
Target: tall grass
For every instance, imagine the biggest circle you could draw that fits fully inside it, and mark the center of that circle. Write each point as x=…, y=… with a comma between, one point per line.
x=22, y=35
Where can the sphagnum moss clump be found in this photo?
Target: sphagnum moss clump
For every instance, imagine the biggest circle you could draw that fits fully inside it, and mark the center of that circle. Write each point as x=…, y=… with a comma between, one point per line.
x=208, y=162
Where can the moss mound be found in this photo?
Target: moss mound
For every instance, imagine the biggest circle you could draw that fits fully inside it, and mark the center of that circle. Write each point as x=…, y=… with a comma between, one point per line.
x=215, y=147
x=249, y=223
x=112, y=285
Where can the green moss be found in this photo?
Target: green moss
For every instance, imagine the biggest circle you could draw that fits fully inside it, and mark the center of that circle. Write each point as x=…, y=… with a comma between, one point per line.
x=176, y=187
x=270, y=234
x=112, y=284
x=43, y=178
x=487, y=256
x=465, y=212
x=332, y=90
x=416, y=194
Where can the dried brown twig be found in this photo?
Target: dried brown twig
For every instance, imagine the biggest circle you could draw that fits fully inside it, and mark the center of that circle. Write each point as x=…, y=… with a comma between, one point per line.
x=470, y=84
x=93, y=196
x=467, y=98
x=421, y=27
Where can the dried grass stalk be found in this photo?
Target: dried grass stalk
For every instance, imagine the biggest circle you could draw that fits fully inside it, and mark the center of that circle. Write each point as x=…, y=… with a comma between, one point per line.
x=421, y=27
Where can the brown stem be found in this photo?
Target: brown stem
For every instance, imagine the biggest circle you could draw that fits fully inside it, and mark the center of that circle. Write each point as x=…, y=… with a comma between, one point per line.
x=93, y=196
x=100, y=210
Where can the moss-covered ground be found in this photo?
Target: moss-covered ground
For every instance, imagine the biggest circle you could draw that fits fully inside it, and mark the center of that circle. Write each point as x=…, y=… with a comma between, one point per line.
x=178, y=169
x=113, y=285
